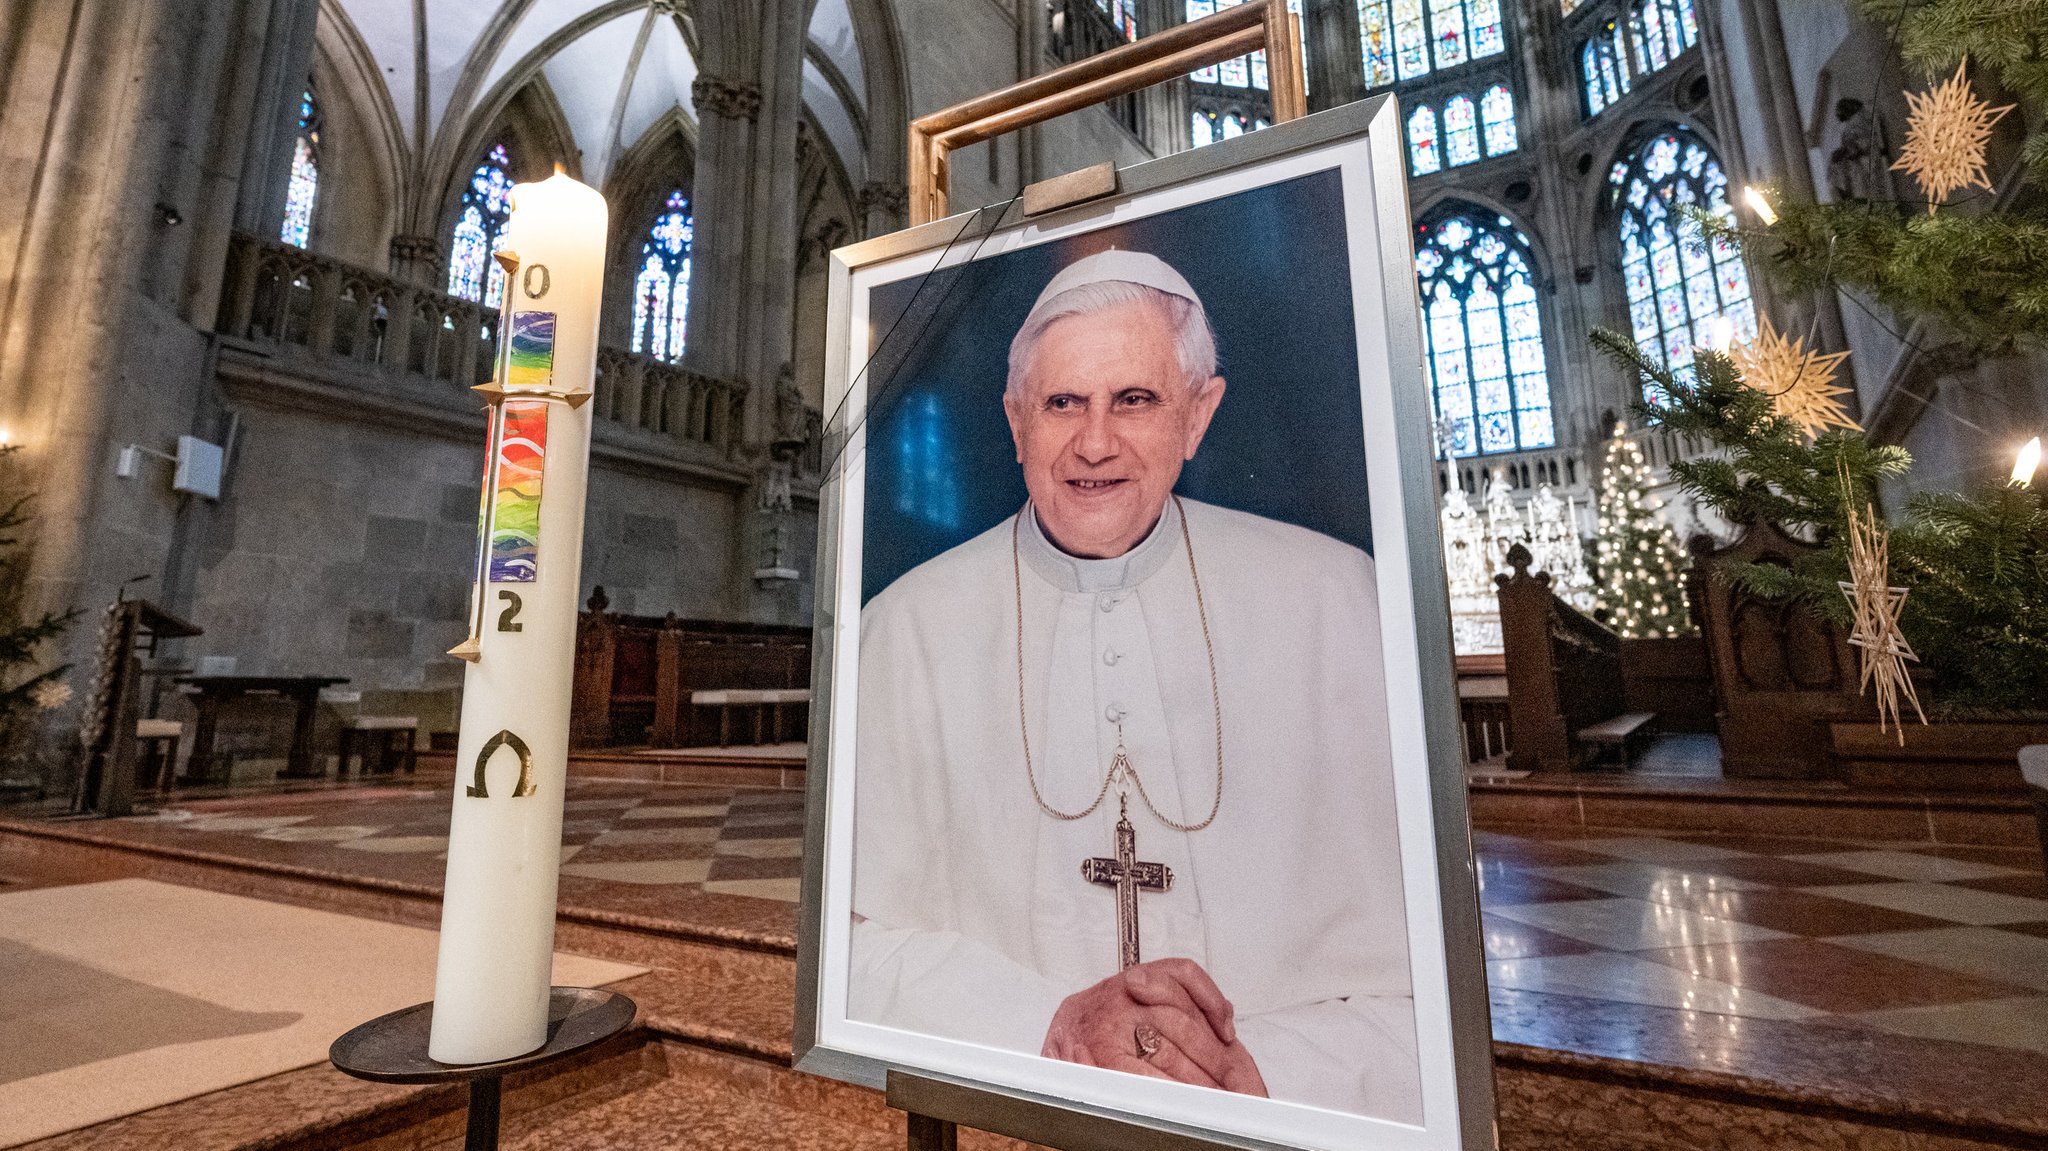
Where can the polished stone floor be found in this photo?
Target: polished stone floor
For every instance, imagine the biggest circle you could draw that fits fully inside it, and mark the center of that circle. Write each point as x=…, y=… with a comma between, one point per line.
x=1943, y=943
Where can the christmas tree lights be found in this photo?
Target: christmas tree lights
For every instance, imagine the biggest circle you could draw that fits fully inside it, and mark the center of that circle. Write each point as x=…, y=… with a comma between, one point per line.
x=1640, y=595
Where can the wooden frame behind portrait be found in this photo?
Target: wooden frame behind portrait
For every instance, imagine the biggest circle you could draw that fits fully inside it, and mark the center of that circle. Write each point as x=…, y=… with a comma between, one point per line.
x=1236, y=31
x=1363, y=142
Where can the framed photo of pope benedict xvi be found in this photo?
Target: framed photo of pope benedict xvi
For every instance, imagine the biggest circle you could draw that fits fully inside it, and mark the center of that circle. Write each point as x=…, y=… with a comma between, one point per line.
x=1135, y=775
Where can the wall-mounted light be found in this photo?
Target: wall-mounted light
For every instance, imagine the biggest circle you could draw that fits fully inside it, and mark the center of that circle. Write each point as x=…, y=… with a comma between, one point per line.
x=197, y=465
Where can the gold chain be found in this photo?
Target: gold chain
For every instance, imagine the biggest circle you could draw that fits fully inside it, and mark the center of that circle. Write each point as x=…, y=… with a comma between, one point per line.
x=1122, y=760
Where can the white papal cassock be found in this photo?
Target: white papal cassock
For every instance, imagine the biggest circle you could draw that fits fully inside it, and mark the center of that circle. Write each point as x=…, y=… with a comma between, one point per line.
x=973, y=920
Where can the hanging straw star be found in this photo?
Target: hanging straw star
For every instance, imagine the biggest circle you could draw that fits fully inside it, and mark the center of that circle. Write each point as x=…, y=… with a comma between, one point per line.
x=1801, y=384
x=1876, y=606
x=1947, y=128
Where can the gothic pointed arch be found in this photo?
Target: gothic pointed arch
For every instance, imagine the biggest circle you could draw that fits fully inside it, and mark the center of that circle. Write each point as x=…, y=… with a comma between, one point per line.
x=1678, y=288
x=658, y=167
x=888, y=92
x=363, y=150
x=829, y=215
x=1483, y=336
x=527, y=142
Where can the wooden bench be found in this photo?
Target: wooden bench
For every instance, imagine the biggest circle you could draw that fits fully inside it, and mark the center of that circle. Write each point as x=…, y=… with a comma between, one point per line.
x=768, y=707
x=387, y=741
x=159, y=739
x=1626, y=732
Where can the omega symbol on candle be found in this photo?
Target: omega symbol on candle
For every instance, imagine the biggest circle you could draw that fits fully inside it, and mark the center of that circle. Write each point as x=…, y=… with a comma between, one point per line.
x=526, y=280
x=483, y=758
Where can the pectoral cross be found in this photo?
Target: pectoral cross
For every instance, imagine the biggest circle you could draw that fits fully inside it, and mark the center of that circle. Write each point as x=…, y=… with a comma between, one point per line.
x=1129, y=877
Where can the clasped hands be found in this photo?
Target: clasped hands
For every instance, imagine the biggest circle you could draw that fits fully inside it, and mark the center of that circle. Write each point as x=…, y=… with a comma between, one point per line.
x=1195, y=1027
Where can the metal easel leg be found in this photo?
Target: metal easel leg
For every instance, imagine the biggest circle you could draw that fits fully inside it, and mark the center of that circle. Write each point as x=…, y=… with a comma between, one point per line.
x=483, y=1115
x=929, y=1134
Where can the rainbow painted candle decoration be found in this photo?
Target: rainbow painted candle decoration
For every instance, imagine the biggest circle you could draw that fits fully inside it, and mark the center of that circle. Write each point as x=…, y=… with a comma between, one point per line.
x=505, y=836
x=515, y=510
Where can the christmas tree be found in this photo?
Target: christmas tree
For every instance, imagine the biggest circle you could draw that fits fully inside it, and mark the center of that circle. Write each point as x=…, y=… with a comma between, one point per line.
x=1974, y=564
x=23, y=632
x=1640, y=595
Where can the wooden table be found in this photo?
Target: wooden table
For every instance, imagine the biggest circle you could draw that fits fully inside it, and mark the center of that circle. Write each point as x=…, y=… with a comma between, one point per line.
x=214, y=691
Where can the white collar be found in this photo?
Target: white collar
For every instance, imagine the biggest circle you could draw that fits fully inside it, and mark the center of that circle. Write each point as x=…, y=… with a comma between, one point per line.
x=1074, y=574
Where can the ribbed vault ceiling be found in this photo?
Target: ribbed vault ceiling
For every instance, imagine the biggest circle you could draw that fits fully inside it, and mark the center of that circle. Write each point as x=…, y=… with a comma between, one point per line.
x=616, y=67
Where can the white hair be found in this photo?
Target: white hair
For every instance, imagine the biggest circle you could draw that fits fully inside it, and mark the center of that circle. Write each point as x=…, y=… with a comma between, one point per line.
x=1194, y=341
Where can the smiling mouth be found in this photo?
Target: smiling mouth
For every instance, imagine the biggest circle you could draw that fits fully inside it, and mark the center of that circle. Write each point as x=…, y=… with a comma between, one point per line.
x=1094, y=485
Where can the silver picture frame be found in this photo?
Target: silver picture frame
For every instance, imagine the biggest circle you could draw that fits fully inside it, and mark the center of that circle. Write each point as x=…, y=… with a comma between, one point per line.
x=1365, y=139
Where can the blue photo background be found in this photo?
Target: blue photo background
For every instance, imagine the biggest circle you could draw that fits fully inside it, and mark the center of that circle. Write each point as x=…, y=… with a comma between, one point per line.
x=1272, y=267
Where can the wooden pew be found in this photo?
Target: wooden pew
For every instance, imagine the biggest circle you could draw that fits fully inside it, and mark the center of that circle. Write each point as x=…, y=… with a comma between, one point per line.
x=636, y=677
x=1564, y=674
x=1780, y=675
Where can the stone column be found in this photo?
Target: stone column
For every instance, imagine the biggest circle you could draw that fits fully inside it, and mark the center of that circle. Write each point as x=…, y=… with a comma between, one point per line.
x=749, y=99
x=123, y=126
x=1784, y=158
x=1329, y=40
x=286, y=68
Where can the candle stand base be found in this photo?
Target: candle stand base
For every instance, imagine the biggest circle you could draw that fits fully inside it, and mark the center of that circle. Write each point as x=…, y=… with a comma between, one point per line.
x=393, y=1049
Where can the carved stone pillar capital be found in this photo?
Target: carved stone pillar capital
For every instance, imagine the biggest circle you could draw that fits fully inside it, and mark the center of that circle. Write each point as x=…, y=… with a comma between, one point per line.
x=416, y=258
x=732, y=99
x=889, y=198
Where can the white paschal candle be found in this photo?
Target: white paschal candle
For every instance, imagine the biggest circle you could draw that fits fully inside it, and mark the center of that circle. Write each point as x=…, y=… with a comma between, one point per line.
x=505, y=837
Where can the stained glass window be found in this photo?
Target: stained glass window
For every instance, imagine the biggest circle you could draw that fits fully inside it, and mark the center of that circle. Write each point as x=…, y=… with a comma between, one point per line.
x=1461, y=131
x=1567, y=7
x=1678, y=282
x=485, y=208
x=1236, y=73
x=1404, y=39
x=1411, y=39
x=1376, y=38
x=1497, y=113
x=1196, y=9
x=1482, y=23
x=1423, y=157
x=1233, y=126
x=661, y=289
x=1483, y=333
x=1659, y=30
x=1604, y=68
x=1447, y=31
x=1202, y=127
x=305, y=179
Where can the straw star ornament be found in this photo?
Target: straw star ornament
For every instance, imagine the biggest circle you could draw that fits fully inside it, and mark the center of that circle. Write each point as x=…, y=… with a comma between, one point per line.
x=1876, y=605
x=1801, y=383
x=1947, y=128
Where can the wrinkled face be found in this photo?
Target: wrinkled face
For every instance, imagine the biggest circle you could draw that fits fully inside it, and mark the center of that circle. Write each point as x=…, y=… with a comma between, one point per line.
x=1103, y=423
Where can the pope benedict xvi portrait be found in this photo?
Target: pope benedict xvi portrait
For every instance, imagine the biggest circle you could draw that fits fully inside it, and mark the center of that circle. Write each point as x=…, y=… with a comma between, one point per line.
x=1124, y=793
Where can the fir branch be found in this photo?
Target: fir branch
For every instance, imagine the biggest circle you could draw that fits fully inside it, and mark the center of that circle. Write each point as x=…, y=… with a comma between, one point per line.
x=1984, y=277
x=2007, y=39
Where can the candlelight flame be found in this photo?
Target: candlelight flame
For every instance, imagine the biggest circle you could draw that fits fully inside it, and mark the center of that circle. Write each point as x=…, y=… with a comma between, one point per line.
x=1721, y=333
x=1761, y=206
x=2029, y=460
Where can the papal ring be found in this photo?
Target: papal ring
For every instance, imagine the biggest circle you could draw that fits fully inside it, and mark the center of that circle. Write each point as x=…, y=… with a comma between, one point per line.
x=1148, y=1038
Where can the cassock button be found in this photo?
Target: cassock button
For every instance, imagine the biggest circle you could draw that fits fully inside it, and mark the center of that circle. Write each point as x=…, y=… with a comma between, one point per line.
x=1114, y=713
x=1111, y=656
x=1107, y=601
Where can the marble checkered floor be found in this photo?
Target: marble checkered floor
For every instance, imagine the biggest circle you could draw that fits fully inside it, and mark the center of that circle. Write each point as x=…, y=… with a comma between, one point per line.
x=720, y=840
x=1933, y=942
